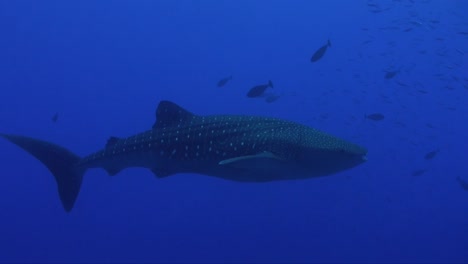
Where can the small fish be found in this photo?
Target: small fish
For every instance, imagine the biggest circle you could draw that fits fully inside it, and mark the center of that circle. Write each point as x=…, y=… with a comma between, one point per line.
x=463, y=184
x=272, y=97
x=416, y=23
x=401, y=84
x=418, y=172
x=320, y=52
x=258, y=90
x=375, y=117
x=223, y=81
x=431, y=154
x=55, y=117
x=390, y=74
x=451, y=108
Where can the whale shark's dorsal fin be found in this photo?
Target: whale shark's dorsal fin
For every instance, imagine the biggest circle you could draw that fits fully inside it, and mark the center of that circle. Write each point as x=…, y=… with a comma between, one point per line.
x=169, y=113
x=112, y=141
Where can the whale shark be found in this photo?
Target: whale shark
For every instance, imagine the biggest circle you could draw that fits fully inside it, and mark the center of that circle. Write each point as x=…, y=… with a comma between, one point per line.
x=234, y=147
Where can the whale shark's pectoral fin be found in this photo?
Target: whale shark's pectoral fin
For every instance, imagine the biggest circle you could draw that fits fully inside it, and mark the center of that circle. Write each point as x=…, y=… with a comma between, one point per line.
x=261, y=160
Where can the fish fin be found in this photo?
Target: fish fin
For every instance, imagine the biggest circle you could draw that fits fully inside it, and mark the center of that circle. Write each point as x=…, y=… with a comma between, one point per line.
x=260, y=160
x=270, y=83
x=169, y=113
x=60, y=162
x=111, y=141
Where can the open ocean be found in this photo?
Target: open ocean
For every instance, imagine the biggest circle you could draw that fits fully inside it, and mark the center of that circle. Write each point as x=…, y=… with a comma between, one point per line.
x=394, y=80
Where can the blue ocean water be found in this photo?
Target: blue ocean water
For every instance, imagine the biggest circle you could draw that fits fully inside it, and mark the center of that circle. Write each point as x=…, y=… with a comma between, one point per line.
x=103, y=66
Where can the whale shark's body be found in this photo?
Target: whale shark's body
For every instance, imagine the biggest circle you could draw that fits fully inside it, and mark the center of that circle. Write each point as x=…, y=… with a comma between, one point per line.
x=239, y=148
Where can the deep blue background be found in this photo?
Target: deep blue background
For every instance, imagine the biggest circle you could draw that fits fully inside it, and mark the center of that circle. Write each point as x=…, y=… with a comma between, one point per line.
x=104, y=66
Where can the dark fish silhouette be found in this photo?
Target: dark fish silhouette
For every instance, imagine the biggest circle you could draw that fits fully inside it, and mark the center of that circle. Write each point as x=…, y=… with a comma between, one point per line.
x=233, y=147
x=431, y=154
x=320, y=52
x=223, y=81
x=272, y=98
x=55, y=117
x=258, y=90
x=463, y=184
x=375, y=117
x=390, y=74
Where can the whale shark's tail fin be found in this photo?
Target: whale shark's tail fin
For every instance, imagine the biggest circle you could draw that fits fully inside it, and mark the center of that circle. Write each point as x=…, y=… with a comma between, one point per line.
x=60, y=162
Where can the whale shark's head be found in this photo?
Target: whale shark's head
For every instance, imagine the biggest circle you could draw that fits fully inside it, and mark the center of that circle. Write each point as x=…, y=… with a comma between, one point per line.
x=248, y=148
x=324, y=154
